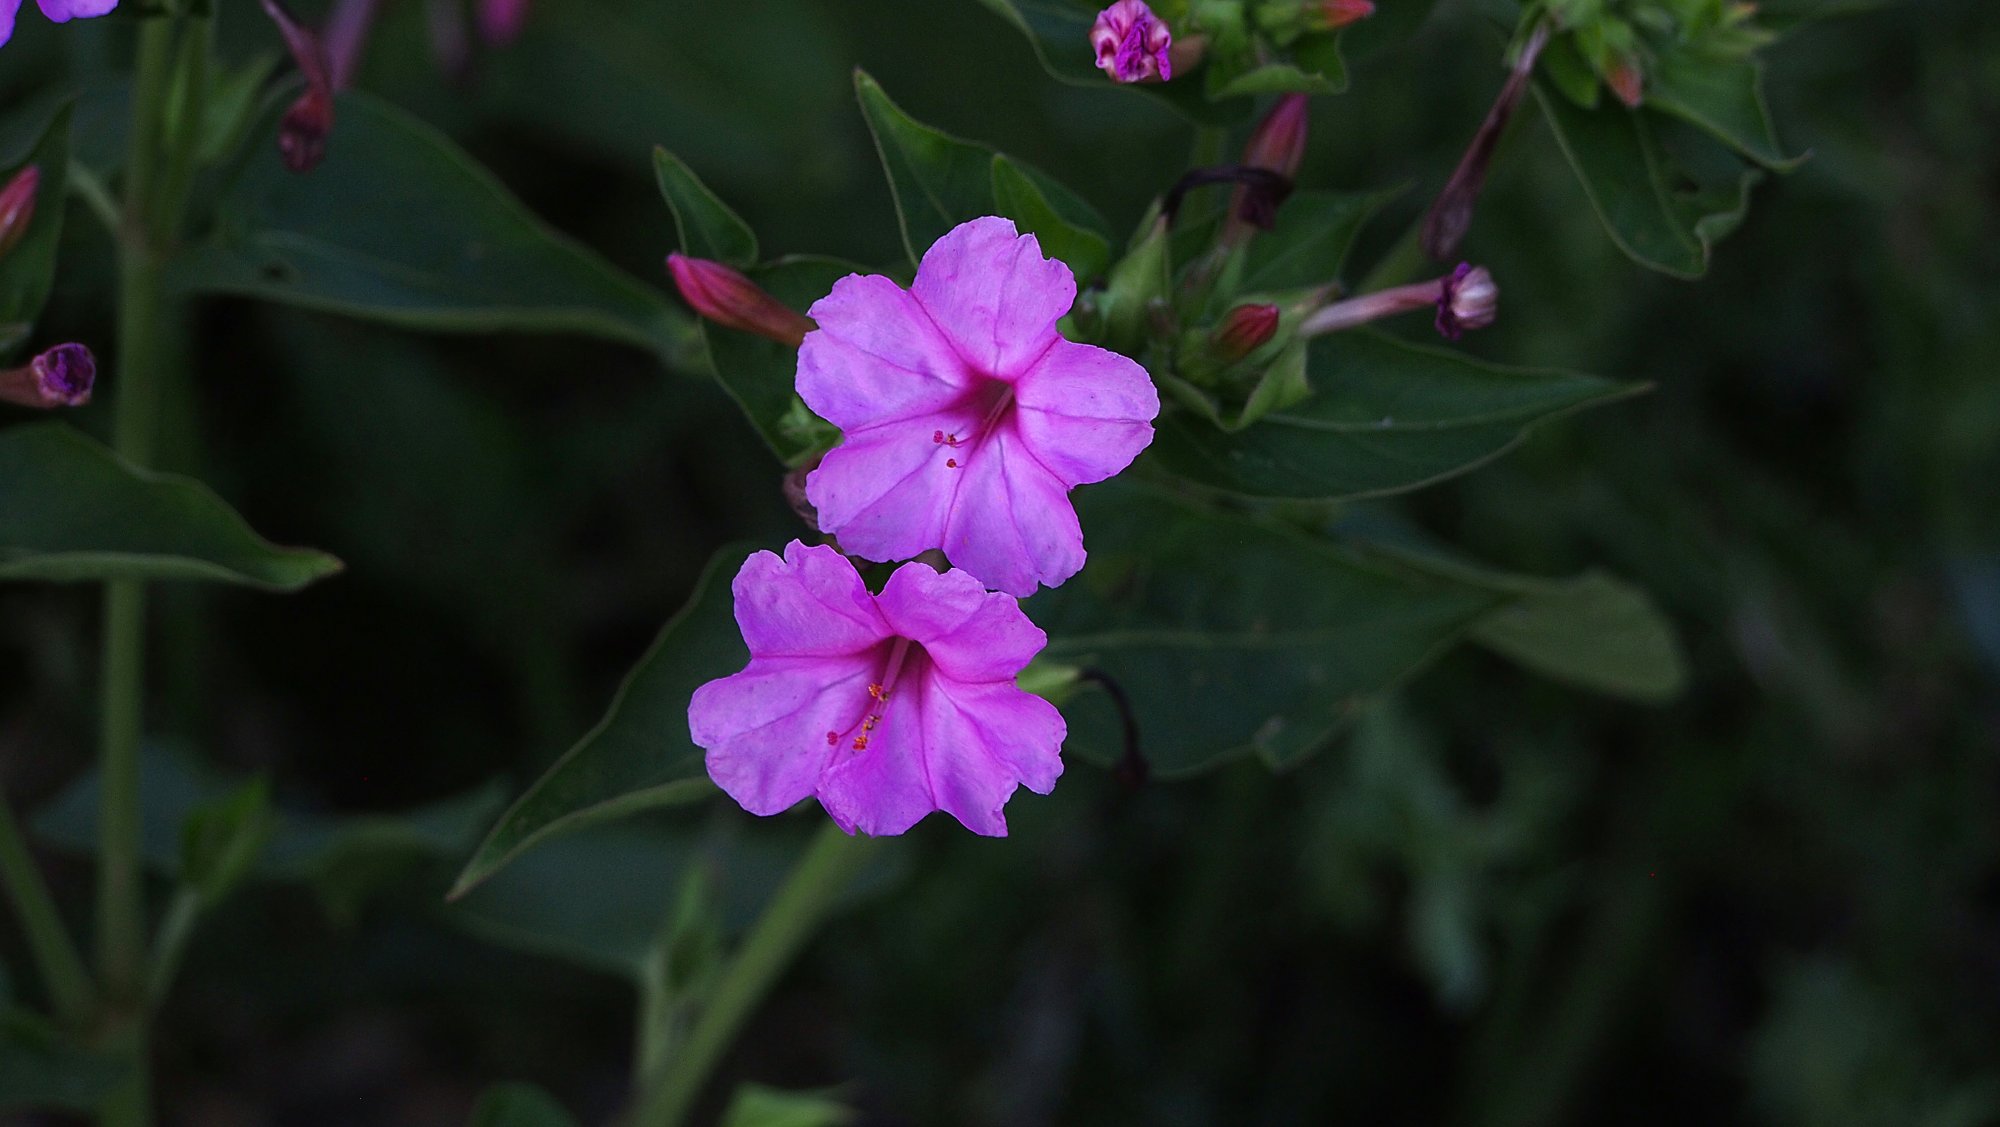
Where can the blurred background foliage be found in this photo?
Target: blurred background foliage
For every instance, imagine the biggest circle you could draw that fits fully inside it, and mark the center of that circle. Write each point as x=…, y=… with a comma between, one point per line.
x=1497, y=901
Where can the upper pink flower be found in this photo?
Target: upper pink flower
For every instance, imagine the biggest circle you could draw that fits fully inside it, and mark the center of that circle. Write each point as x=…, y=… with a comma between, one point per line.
x=966, y=417
x=886, y=707
x=1132, y=44
x=61, y=11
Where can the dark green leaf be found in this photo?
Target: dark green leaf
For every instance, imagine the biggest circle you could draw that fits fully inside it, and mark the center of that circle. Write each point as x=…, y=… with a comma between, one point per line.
x=399, y=225
x=639, y=756
x=1385, y=417
x=41, y=1072
x=1724, y=97
x=757, y=1106
x=1231, y=636
x=1660, y=217
x=71, y=510
x=940, y=182
x=761, y=375
x=221, y=840
x=519, y=1105
x=28, y=271
x=1059, y=31
x=1309, y=244
x=707, y=226
x=1316, y=68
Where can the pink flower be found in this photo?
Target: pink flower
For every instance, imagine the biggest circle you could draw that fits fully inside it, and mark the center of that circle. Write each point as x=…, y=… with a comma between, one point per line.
x=60, y=11
x=886, y=707
x=1132, y=44
x=966, y=417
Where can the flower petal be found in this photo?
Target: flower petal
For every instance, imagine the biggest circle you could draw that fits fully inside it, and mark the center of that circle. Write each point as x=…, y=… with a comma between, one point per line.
x=812, y=603
x=970, y=633
x=765, y=729
x=876, y=357
x=62, y=11
x=1085, y=412
x=993, y=294
x=8, y=9
x=886, y=492
x=1011, y=524
x=884, y=788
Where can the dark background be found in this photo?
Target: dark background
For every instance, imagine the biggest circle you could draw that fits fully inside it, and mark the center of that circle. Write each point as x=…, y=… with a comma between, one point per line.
x=1776, y=900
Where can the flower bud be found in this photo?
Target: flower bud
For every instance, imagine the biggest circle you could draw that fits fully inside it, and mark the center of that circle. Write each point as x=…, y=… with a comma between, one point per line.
x=303, y=131
x=1131, y=44
x=1627, y=81
x=1244, y=330
x=61, y=377
x=726, y=297
x=1279, y=142
x=1332, y=15
x=1451, y=215
x=1467, y=299
x=17, y=207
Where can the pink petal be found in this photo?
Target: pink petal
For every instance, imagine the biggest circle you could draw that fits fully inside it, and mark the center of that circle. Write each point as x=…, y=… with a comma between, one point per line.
x=812, y=603
x=993, y=294
x=765, y=729
x=885, y=788
x=970, y=633
x=885, y=492
x=62, y=11
x=1085, y=412
x=1011, y=524
x=8, y=9
x=876, y=357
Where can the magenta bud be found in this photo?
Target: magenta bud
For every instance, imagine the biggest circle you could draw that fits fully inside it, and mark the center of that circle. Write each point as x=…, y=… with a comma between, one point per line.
x=1279, y=142
x=61, y=377
x=1332, y=15
x=302, y=134
x=1244, y=330
x=17, y=207
x=1467, y=299
x=1131, y=44
x=726, y=297
x=1627, y=81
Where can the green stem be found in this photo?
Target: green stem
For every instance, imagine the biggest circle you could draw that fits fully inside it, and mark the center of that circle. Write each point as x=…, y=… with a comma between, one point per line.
x=55, y=953
x=808, y=894
x=84, y=184
x=175, y=930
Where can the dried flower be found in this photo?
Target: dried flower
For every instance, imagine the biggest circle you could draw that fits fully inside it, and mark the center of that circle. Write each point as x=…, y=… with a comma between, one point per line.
x=1451, y=215
x=303, y=131
x=1132, y=44
x=884, y=707
x=1466, y=298
x=61, y=377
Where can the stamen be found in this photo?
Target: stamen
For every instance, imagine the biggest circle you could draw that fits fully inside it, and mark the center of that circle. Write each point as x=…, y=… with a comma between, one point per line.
x=878, y=692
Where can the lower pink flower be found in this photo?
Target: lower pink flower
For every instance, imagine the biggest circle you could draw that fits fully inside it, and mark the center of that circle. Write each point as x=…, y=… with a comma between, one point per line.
x=965, y=417
x=886, y=707
x=59, y=11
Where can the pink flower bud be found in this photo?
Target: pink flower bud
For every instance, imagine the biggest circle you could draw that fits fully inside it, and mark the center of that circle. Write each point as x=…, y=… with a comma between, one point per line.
x=61, y=377
x=1467, y=299
x=1331, y=15
x=1451, y=215
x=1279, y=142
x=726, y=297
x=1244, y=330
x=1626, y=81
x=1132, y=44
x=17, y=207
x=303, y=132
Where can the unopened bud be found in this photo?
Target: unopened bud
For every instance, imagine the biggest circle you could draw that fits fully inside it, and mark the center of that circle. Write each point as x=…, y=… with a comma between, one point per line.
x=1451, y=215
x=1278, y=147
x=1244, y=330
x=17, y=207
x=1467, y=299
x=1627, y=81
x=726, y=297
x=303, y=132
x=61, y=377
x=1331, y=15
x=1131, y=44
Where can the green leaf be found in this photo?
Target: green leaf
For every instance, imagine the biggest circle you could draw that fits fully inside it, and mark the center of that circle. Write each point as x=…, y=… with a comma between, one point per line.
x=1660, y=217
x=1593, y=631
x=640, y=755
x=1725, y=97
x=28, y=271
x=1385, y=417
x=221, y=840
x=39, y=1071
x=757, y=1106
x=519, y=1105
x=761, y=375
x=399, y=225
x=1231, y=636
x=940, y=182
x=1310, y=242
x=707, y=226
x=71, y=510
x=1316, y=68
x=1059, y=31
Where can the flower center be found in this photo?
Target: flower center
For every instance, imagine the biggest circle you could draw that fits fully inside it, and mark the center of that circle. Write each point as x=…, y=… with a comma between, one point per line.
x=990, y=404
x=902, y=654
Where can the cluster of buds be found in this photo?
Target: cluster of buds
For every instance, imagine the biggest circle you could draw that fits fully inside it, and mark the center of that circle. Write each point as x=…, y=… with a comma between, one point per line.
x=723, y=295
x=61, y=377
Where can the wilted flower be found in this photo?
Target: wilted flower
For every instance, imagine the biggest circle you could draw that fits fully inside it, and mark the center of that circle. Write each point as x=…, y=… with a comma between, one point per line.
x=303, y=131
x=59, y=11
x=966, y=417
x=885, y=707
x=725, y=296
x=1450, y=216
x=1132, y=44
x=1466, y=298
x=17, y=207
x=61, y=377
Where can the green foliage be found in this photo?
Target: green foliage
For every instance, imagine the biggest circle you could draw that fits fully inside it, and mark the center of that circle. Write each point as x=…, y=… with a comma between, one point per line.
x=70, y=510
x=757, y=1106
x=41, y=1071
x=28, y=270
x=519, y=1105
